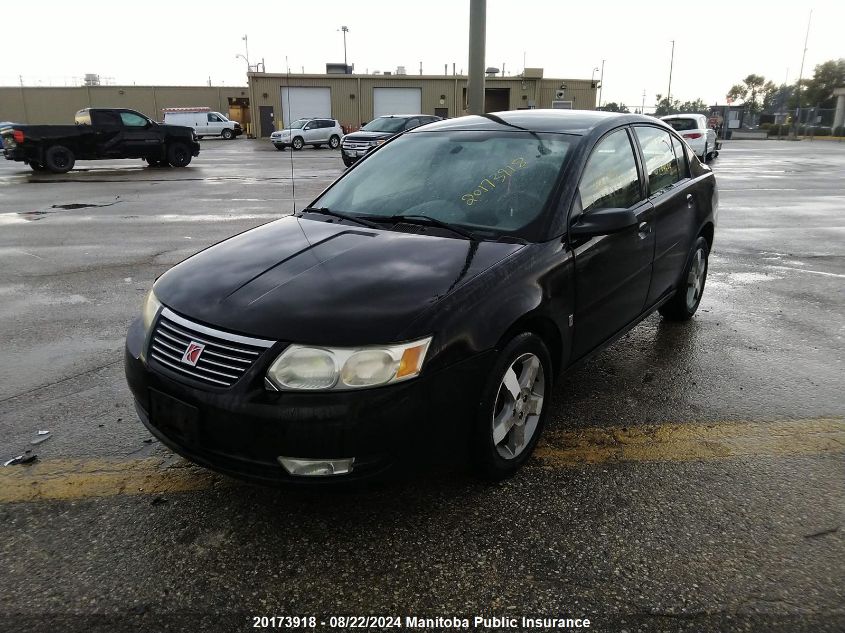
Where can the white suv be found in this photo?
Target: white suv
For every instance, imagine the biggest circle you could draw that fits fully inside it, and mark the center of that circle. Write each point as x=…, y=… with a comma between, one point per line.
x=315, y=132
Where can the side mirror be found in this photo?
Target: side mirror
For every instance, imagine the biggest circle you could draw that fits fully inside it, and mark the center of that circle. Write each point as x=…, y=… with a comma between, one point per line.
x=603, y=222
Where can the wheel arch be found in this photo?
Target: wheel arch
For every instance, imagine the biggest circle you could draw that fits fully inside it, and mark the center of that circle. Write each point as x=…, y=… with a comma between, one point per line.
x=544, y=327
x=707, y=232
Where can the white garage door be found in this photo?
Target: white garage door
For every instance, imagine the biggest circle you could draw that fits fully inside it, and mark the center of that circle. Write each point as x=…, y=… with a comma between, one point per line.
x=305, y=102
x=396, y=101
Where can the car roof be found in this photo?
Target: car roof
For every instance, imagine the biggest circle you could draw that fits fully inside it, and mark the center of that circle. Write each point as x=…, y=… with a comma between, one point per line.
x=580, y=122
x=401, y=116
x=692, y=115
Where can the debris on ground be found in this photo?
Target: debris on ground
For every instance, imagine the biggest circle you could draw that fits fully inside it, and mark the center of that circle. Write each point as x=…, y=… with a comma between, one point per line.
x=21, y=459
x=158, y=501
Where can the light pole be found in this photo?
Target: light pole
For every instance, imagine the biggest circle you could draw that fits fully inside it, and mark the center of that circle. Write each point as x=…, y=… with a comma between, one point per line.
x=671, y=64
x=345, y=31
x=642, y=110
x=477, y=41
x=248, y=67
x=593, y=75
x=601, y=82
x=801, y=75
x=246, y=46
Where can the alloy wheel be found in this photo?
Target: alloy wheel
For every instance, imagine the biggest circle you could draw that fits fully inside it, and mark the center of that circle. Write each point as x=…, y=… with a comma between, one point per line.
x=695, y=279
x=518, y=406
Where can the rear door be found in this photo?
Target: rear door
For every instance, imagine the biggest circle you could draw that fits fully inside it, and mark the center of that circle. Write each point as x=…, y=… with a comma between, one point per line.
x=671, y=191
x=108, y=132
x=612, y=272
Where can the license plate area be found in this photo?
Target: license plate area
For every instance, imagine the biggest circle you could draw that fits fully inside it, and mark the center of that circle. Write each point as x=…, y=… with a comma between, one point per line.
x=175, y=418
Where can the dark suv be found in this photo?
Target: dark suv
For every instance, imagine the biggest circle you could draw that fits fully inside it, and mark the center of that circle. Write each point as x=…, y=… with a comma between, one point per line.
x=377, y=131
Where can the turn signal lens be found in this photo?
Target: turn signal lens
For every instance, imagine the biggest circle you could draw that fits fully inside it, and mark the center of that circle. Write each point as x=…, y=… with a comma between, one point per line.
x=18, y=136
x=411, y=362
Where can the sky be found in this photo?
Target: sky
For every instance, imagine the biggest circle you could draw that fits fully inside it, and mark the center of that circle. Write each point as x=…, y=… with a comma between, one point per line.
x=717, y=43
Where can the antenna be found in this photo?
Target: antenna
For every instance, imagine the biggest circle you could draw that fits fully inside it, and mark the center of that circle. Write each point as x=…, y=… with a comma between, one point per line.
x=290, y=136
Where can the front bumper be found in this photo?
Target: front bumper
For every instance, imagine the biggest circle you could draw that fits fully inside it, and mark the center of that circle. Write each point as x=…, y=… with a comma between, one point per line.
x=243, y=430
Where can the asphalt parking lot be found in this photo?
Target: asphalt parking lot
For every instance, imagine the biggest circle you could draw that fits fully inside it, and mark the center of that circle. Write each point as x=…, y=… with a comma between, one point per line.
x=691, y=476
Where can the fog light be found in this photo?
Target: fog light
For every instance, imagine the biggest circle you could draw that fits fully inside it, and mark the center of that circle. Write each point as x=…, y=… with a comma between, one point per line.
x=316, y=467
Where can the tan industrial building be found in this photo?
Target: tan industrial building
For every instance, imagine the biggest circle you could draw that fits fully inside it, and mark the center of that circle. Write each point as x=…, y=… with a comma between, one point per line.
x=39, y=105
x=356, y=99
x=273, y=99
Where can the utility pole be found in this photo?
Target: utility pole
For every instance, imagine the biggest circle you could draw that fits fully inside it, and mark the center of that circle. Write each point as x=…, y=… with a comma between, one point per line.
x=642, y=110
x=601, y=82
x=420, y=67
x=246, y=46
x=477, y=41
x=345, y=31
x=801, y=76
x=671, y=64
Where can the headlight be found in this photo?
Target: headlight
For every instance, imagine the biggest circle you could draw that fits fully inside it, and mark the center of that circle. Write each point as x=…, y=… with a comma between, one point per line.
x=301, y=367
x=149, y=309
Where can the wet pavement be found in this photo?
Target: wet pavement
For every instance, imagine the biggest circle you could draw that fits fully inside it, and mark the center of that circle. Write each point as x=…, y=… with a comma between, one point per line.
x=691, y=477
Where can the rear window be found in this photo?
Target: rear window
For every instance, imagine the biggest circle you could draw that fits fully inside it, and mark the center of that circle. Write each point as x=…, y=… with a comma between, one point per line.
x=83, y=117
x=682, y=124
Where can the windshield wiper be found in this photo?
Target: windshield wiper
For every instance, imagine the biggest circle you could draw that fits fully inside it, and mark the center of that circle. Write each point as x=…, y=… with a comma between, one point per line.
x=342, y=216
x=426, y=220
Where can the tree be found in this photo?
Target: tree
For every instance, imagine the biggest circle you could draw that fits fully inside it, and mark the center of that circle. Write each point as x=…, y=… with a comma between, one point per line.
x=615, y=107
x=665, y=106
x=826, y=77
x=752, y=91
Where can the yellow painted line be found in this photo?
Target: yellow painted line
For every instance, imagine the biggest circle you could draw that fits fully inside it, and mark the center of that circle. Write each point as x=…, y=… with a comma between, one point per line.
x=687, y=442
x=67, y=479
x=79, y=478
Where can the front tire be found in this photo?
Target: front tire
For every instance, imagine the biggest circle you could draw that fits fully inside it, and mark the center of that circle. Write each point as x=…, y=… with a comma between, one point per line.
x=281, y=148
x=36, y=166
x=512, y=412
x=297, y=143
x=334, y=141
x=687, y=297
x=179, y=155
x=59, y=159
x=348, y=162
x=227, y=134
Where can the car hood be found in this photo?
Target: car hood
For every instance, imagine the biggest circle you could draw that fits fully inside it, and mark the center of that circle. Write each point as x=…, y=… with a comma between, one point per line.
x=311, y=281
x=368, y=136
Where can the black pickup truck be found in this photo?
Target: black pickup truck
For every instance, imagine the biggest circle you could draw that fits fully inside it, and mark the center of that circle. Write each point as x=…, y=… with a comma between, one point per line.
x=99, y=133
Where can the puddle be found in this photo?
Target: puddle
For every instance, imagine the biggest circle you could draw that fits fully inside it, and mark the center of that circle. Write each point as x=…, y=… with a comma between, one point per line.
x=83, y=205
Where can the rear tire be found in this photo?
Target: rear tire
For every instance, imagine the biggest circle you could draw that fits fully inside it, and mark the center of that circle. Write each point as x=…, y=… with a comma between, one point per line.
x=687, y=297
x=513, y=407
x=334, y=141
x=297, y=143
x=36, y=166
x=154, y=162
x=59, y=159
x=178, y=155
x=227, y=134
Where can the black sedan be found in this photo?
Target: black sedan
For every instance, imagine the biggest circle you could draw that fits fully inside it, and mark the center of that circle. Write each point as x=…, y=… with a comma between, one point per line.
x=378, y=131
x=422, y=306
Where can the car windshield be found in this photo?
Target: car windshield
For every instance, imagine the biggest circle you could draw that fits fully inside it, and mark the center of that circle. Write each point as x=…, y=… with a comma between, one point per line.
x=682, y=124
x=299, y=123
x=486, y=182
x=384, y=124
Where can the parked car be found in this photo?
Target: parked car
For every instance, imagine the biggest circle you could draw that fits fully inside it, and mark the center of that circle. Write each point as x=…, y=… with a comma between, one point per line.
x=204, y=121
x=694, y=130
x=378, y=131
x=423, y=304
x=309, y=131
x=99, y=134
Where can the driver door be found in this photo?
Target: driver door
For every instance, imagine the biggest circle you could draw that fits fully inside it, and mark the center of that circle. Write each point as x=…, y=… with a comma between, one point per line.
x=139, y=139
x=612, y=272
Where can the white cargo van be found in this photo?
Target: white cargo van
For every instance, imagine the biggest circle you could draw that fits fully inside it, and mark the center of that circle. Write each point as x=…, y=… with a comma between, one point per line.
x=205, y=121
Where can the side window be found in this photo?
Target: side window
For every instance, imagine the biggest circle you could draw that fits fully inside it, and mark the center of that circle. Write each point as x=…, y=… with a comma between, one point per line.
x=660, y=164
x=212, y=118
x=680, y=158
x=412, y=123
x=130, y=119
x=610, y=179
x=327, y=123
x=105, y=119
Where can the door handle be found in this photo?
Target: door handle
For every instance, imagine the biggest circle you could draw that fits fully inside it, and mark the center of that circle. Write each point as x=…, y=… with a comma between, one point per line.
x=689, y=199
x=644, y=229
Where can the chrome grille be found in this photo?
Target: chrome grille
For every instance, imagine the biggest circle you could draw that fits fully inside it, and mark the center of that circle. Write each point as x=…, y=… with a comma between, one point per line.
x=224, y=359
x=356, y=145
